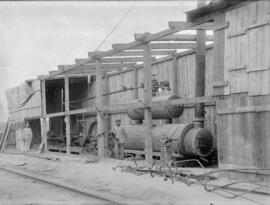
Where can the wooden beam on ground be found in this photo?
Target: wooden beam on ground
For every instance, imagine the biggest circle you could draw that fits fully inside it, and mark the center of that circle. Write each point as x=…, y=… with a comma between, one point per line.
x=67, y=117
x=147, y=100
x=161, y=46
x=100, y=116
x=174, y=37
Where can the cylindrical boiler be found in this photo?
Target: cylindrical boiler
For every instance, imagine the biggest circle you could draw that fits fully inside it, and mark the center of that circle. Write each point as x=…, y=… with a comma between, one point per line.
x=158, y=112
x=186, y=140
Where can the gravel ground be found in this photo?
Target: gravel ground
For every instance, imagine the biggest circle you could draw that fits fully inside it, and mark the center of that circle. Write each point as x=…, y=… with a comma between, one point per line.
x=101, y=177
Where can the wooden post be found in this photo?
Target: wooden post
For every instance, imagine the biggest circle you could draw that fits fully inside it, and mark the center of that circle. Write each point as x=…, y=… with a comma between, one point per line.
x=136, y=84
x=147, y=100
x=219, y=56
x=100, y=117
x=107, y=116
x=67, y=116
x=175, y=75
x=43, y=122
x=200, y=73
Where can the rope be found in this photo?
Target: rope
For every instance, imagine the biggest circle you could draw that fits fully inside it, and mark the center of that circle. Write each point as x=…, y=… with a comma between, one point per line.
x=115, y=27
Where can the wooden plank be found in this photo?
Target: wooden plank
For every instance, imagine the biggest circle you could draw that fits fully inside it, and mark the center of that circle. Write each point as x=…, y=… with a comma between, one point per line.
x=137, y=53
x=100, y=117
x=136, y=84
x=147, y=99
x=200, y=73
x=67, y=117
x=160, y=46
x=173, y=37
x=205, y=26
x=219, y=55
x=175, y=91
x=247, y=109
x=43, y=130
x=113, y=60
x=52, y=72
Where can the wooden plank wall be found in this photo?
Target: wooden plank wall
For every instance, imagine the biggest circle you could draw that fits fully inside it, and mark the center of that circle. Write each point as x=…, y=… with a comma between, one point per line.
x=32, y=108
x=186, y=78
x=247, y=49
x=243, y=134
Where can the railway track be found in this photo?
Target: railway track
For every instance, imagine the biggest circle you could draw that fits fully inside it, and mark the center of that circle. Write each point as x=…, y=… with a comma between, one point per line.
x=93, y=196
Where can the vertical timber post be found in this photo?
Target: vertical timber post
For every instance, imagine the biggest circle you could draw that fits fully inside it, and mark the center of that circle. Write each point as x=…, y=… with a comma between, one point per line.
x=107, y=115
x=175, y=75
x=147, y=100
x=67, y=116
x=136, y=84
x=200, y=73
x=100, y=117
x=43, y=120
x=219, y=55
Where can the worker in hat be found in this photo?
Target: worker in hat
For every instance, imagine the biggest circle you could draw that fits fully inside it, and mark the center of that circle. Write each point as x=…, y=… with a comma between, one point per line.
x=27, y=136
x=120, y=137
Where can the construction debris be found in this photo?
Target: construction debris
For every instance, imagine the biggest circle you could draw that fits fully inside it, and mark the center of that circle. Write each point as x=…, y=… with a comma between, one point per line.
x=172, y=172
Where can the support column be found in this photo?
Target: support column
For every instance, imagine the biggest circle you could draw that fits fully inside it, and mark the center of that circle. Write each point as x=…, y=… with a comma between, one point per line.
x=147, y=100
x=136, y=84
x=219, y=56
x=200, y=74
x=175, y=76
x=67, y=116
x=100, y=117
x=43, y=123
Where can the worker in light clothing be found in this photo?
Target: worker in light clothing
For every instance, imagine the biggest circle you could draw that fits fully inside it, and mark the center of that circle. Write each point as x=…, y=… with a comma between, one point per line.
x=27, y=136
x=120, y=137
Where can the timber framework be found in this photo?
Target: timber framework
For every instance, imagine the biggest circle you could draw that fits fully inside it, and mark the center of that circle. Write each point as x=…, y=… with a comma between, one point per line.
x=215, y=85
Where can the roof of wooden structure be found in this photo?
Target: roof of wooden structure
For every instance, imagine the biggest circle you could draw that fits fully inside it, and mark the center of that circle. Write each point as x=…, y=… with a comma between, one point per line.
x=163, y=44
x=214, y=6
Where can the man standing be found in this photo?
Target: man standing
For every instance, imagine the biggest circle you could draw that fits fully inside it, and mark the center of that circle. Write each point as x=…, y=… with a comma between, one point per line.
x=119, y=139
x=28, y=136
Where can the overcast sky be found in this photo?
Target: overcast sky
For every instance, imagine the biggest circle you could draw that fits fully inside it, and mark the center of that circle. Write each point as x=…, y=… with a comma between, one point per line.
x=35, y=37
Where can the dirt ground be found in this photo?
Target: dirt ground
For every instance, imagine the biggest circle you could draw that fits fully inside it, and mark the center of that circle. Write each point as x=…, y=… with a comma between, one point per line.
x=15, y=189
x=101, y=177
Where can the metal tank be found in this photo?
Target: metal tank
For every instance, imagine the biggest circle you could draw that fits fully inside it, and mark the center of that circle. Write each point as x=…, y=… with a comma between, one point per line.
x=158, y=112
x=186, y=140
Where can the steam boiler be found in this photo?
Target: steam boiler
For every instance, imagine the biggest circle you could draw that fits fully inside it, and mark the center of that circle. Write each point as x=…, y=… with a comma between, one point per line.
x=185, y=138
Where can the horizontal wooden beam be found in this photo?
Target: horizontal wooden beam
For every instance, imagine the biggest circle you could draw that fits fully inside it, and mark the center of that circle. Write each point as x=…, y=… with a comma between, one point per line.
x=138, y=53
x=121, y=108
x=52, y=72
x=174, y=37
x=134, y=44
x=204, y=26
x=114, y=60
x=162, y=46
x=91, y=67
